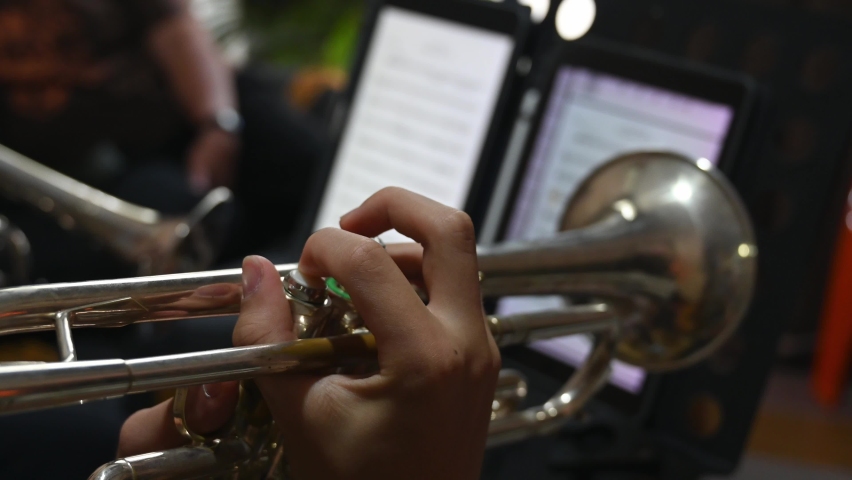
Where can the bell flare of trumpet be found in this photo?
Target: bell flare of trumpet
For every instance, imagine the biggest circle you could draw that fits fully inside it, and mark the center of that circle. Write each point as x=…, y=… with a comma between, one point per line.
x=661, y=237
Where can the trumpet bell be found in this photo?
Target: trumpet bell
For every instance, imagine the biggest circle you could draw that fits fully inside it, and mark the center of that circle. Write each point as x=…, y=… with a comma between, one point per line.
x=661, y=238
x=194, y=242
x=154, y=243
x=686, y=225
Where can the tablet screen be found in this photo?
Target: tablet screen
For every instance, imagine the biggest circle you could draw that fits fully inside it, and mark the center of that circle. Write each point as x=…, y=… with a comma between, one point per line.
x=420, y=114
x=591, y=118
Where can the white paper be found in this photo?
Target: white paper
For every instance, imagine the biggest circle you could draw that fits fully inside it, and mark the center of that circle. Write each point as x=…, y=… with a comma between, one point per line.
x=420, y=114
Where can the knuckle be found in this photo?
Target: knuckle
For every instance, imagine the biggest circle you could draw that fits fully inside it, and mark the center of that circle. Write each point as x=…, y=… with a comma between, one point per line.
x=451, y=365
x=447, y=364
x=484, y=367
x=459, y=226
x=366, y=258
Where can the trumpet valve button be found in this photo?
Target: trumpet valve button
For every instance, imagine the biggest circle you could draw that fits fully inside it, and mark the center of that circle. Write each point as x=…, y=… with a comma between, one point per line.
x=305, y=288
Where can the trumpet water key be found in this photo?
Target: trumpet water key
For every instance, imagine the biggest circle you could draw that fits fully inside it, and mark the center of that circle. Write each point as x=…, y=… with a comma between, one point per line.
x=660, y=244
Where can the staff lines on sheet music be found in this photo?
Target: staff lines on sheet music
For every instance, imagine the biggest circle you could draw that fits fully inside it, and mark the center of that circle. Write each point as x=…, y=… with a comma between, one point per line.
x=441, y=172
x=592, y=140
x=433, y=146
x=451, y=120
x=592, y=150
x=360, y=185
x=408, y=125
x=391, y=78
x=412, y=123
x=397, y=155
x=352, y=194
x=586, y=139
x=449, y=144
x=410, y=178
x=588, y=102
x=426, y=70
x=567, y=179
x=463, y=107
x=449, y=123
x=587, y=81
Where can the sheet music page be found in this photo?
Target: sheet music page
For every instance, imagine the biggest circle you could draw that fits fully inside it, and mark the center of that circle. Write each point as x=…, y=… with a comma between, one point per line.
x=420, y=116
x=594, y=118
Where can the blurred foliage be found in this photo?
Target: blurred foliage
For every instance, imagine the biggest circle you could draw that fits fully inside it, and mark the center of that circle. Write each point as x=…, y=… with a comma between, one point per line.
x=304, y=32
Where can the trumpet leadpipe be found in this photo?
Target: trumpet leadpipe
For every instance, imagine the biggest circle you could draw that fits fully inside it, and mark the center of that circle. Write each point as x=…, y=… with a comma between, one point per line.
x=116, y=303
x=25, y=387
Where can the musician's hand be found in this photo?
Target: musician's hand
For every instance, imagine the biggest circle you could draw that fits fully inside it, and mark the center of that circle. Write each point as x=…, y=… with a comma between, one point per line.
x=212, y=160
x=426, y=413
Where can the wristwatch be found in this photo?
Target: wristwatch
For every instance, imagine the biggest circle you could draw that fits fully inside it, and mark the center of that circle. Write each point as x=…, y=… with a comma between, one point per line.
x=225, y=119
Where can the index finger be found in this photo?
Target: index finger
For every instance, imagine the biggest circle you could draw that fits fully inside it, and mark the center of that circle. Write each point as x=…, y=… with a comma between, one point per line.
x=450, y=269
x=380, y=292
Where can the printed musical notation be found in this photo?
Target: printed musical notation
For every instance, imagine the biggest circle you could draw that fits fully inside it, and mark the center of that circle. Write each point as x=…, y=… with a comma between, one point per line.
x=421, y=112
x=593, y=118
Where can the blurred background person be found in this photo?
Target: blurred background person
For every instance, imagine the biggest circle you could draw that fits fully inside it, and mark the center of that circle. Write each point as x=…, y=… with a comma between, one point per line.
x=134, y=98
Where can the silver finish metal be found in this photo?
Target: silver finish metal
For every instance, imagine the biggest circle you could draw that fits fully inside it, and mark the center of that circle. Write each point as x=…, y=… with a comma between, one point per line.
x=565, y=404
x=529, y=327
x=116, y=303
x=661, y=244
x=19, y=254
x=666, y=237
x=195, y=461
x=510, y=393
x=139, y=235
x=35, y=386
x=67, y=352
x=304, y=289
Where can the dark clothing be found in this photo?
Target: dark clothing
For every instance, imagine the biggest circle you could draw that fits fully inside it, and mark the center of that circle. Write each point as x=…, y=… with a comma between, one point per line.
x=80, y=93
x=74, y=73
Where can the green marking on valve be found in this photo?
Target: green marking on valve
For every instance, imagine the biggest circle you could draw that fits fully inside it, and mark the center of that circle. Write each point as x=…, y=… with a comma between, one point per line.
x=337, y=289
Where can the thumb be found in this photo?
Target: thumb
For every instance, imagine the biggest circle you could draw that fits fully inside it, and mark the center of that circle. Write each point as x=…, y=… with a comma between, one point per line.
x=265, y=316
x=153, y=429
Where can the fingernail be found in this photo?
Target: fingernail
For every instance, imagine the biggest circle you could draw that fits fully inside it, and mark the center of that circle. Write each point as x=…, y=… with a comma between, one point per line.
x=212, y=390
x=252, y=274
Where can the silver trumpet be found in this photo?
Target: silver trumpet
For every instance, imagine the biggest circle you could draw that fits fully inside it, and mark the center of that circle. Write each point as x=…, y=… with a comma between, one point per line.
x=139, y=235
x=660, y=243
